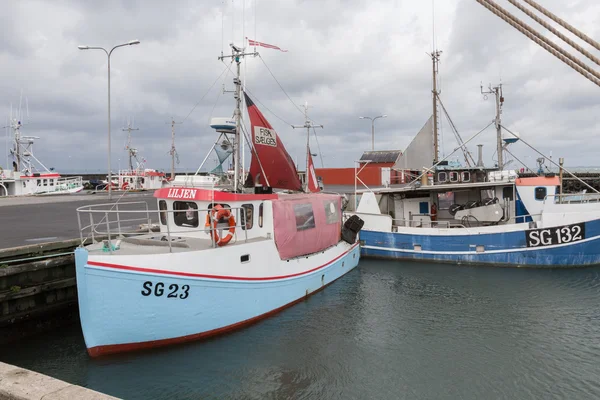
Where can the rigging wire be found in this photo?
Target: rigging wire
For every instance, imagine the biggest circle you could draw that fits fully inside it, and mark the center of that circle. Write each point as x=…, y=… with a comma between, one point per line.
x=318, y=147
x=549, y=159
x=522, y=163
x=266, y=108
x=427, y=170
x=465, y=151
x=281, y=87
x=209, y=89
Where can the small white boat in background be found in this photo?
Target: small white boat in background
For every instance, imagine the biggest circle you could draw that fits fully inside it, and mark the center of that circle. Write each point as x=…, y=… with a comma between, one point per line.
x=27, y=175
x=137, y=177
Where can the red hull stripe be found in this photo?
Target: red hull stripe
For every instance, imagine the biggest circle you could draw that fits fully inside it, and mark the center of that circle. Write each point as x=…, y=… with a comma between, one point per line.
x=121, y=348
x=234, y=278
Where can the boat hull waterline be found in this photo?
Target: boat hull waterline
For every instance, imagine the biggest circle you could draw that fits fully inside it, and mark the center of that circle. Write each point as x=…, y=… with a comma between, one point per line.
x=132, y=308
x=499, y=249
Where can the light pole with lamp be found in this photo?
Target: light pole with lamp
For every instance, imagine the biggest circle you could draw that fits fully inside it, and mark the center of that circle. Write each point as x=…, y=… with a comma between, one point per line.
x=108, y=53
x=373, y=128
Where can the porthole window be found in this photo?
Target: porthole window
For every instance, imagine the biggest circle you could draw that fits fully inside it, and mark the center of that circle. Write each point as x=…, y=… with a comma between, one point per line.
x=540, y=193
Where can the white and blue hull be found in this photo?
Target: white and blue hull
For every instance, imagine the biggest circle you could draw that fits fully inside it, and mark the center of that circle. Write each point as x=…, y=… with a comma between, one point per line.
x=558, y=246
x=125, y=307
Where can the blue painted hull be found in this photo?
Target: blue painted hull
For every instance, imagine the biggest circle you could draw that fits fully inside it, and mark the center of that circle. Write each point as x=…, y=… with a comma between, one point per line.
x=120, y=311
x=501, y=249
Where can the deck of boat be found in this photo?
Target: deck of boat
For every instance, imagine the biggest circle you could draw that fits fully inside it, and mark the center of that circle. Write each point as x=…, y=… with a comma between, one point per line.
x=157, y=243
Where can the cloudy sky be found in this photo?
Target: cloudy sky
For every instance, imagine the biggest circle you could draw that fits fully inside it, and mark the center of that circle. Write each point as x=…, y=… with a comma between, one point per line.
x=346, y=59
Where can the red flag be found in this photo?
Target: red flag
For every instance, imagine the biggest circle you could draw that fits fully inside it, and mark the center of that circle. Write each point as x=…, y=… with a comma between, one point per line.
x=261, y=44
x=313, y=184
x=277, y=165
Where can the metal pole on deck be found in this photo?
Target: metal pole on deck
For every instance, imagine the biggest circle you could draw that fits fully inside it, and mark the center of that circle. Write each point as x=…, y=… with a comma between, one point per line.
x=561, y=161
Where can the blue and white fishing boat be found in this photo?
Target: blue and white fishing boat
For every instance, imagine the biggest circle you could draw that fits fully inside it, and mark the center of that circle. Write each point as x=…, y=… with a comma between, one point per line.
x=477, y=215
x=223, y=259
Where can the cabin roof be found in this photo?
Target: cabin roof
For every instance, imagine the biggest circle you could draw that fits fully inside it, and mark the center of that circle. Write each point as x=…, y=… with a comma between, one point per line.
x=379, y=157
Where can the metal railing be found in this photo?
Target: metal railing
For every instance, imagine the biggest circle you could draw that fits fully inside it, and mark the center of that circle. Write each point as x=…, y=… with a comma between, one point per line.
x=114, y=220
x=573, y=198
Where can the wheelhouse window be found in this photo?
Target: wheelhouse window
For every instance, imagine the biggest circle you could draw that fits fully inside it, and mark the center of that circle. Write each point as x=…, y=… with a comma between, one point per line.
x=445, y=200
x=487, y=194
x=260, y=215
x=162, y=206
x=45, y=182
x=540, y=193
x=453, y=176
x=465, y=176
x=332, y=214
x=247, y=212
x=186, y=214
x=305, y=219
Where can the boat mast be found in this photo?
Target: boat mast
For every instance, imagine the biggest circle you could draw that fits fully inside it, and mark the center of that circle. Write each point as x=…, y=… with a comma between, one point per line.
x=435, y=58
x=236, y=55
x=308, y=124
x=173, y=151
x=132, y=152
x=497, y=92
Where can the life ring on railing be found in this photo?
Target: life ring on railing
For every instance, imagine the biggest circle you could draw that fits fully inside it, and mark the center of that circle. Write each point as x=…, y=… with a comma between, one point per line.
x=217, y=213
x=125, y=186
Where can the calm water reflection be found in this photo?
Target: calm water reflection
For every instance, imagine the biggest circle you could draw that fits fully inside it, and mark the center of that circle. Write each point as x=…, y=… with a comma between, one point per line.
x=386, y=330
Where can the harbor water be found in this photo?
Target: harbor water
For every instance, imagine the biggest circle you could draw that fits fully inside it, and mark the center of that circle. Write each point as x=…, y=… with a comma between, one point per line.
x=387, y=330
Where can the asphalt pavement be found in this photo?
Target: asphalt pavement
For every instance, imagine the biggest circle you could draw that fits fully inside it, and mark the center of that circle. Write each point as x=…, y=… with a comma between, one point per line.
x=39, y=219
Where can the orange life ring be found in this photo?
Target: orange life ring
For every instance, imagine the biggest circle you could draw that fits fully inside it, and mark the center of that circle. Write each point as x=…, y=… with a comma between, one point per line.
x=215, y=215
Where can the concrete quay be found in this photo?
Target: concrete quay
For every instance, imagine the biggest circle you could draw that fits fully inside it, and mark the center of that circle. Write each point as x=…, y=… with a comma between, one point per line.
x=38, y=219
x=21, y=384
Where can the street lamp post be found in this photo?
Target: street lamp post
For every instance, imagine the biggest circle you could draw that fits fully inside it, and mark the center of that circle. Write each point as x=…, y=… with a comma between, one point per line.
x=373, y=128
x=108, y=53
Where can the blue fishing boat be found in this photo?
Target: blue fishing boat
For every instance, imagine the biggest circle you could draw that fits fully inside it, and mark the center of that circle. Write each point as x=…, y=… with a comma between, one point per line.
x=477, y=215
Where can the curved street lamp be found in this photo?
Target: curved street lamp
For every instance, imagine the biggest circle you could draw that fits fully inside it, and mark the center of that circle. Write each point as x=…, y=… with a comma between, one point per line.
x=108, y=53
x=373, y=128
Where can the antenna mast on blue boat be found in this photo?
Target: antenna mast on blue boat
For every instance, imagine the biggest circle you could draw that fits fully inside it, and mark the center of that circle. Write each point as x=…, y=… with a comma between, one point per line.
x=435, y=57
x=237, y=54
x=497, y=91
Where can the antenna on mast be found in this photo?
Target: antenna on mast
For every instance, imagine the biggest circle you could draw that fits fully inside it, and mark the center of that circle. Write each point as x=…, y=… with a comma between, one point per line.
x=308, y=124
x=237, y=53
x=173, y=151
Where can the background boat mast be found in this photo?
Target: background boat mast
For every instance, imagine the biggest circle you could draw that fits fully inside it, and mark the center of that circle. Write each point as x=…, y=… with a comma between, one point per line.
x=435, y=58
x=308, y=124
x=173, y=151
x=130, y=150
x=236, y=55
